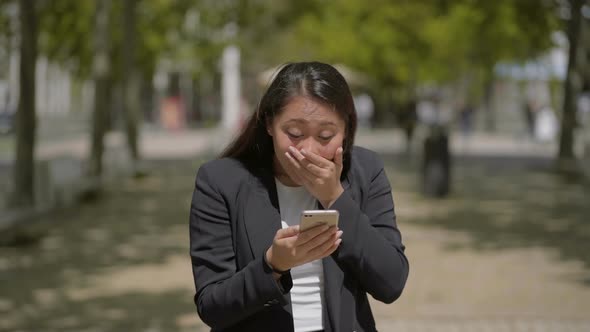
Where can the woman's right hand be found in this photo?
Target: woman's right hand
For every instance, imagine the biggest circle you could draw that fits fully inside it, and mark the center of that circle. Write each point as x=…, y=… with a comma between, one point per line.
x=291, y=248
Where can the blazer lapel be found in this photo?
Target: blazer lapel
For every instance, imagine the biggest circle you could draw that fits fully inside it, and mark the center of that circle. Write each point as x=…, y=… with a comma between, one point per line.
x=333, y=282
x=345, y=183
x=261, y=213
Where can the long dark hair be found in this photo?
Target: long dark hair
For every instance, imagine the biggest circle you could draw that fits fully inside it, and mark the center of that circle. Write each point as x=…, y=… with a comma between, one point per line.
x=315, y=80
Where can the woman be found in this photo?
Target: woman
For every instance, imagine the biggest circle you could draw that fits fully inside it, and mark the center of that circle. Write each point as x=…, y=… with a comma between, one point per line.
x=253, y=269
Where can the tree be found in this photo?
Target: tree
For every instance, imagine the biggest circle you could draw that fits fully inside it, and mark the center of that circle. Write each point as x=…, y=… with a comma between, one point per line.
x=66, y=27
x=439, y=42
x=101, y=72
x=130, y=80
x=571, y=88
x=24, y=167
x=6, y=32
x=475, y=35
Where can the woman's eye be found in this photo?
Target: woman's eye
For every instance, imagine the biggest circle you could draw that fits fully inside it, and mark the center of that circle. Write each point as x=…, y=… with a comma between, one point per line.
x=294, y=135
x=326, y=138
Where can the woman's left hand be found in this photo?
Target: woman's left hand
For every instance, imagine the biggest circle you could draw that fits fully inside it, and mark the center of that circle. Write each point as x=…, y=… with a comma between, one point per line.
x=320, y=176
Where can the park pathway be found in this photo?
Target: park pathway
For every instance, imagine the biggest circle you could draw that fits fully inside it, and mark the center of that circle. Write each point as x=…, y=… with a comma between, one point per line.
x=506, y=251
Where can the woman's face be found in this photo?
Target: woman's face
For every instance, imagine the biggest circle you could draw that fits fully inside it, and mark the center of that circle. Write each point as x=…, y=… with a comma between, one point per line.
x=305, y=124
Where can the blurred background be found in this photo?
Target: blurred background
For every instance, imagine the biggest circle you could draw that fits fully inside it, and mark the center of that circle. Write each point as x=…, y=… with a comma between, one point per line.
x=479, y=109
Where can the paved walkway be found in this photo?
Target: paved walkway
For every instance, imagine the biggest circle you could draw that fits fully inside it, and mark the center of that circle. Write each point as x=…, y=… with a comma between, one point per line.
x=506, y=251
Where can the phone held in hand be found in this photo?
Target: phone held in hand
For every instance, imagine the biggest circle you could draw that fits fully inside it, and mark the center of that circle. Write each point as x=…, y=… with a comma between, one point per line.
x=312, y=218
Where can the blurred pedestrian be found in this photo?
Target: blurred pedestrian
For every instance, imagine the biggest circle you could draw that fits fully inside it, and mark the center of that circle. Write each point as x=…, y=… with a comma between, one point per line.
x=254, y=270
x=466, y=119
x=529, y=117
x=546, y=125
x=407, y=118
x=364, y=108
x=436, y=155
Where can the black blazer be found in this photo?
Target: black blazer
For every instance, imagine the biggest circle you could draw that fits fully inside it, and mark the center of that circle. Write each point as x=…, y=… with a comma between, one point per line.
x=234, y=217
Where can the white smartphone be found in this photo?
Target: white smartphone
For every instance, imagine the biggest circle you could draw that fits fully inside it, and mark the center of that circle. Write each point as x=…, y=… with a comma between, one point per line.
x=312, y=218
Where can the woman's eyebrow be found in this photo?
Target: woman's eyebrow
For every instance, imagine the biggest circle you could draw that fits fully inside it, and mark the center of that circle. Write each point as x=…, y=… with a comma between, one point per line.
x=298, y=120
x=304, y=121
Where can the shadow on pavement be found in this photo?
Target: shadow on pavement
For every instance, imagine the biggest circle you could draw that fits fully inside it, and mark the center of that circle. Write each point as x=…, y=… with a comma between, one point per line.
x=98, y=267
x=124, y=312
x=71, y=278
x=507, y=202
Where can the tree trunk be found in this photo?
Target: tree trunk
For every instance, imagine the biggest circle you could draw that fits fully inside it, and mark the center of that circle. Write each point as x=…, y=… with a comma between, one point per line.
x=490, y=116
x=146, y=98
x=101, y=70
x=24, y=167
x=585, y=45
x=566, y=142
x=130, y=81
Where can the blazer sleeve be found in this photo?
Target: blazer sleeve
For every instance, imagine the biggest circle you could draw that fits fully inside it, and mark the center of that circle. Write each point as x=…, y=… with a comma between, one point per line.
x=224, y=295
x=371, y=247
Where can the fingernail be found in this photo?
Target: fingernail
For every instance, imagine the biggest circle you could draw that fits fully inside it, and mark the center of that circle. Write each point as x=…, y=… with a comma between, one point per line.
x=338, y=241
x=339, y=234
x=303, y=151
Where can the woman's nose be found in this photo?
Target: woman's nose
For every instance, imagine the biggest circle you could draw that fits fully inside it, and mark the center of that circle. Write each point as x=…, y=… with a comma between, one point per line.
x=307, y=144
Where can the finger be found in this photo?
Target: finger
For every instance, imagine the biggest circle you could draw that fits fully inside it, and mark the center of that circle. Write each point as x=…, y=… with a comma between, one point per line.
x=308, y=176
x=335, y=244
x=294, y=162
x=287, y=232
x=316, y=170
x=316, y=159
x=293, y=168
x=338, y=157
x=299, y=157
x=296, y=154
x=297, y=167
x=319, y=250
x=332, y=248
x=310, y=234
x=319, y=240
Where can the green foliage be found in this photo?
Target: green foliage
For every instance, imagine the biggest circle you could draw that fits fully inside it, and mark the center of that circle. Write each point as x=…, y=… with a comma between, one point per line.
x=406, y=41
x=158, y=23
x=7, y=32
x=5, y=26
x=65, y=33
x=394, y=42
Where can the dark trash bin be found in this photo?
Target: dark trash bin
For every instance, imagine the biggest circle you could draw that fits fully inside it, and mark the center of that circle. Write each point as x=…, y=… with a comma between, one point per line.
x=436, y=164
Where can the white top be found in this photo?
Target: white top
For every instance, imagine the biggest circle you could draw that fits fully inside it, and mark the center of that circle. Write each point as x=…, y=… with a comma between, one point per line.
x=308, y=279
